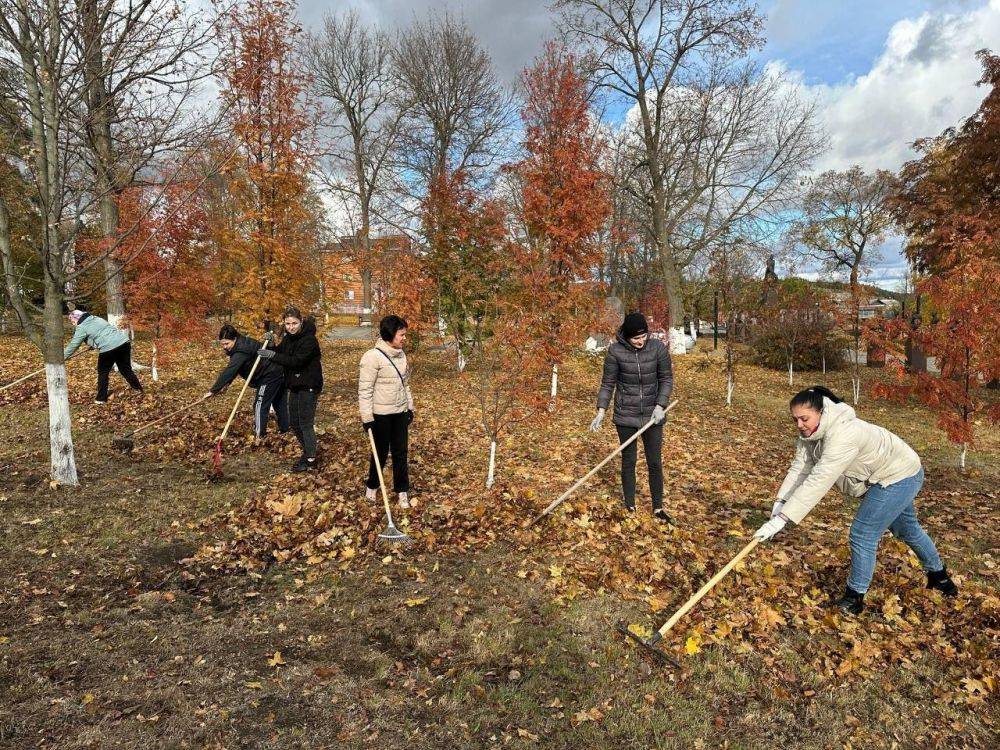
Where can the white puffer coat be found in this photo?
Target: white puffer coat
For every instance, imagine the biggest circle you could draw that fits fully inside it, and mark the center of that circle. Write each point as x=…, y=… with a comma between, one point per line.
x=847, y=452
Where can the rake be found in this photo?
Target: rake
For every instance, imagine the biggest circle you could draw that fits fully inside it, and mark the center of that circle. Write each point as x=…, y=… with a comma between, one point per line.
x=391, y=534
x=559, y=500
x=217, y=454
x=649, y=644
x=126, y=443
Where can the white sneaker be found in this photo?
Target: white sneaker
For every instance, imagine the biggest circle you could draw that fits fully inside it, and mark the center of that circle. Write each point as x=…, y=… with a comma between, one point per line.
x=98, y=401
x=404, y=500
x=370, y=494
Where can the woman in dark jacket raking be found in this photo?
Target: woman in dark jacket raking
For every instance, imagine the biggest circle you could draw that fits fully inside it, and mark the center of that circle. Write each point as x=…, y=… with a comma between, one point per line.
x=299, y=354
x=638, y=371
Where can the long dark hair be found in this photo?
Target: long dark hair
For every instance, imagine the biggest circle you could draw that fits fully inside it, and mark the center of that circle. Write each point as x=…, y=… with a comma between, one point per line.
x=813, y=397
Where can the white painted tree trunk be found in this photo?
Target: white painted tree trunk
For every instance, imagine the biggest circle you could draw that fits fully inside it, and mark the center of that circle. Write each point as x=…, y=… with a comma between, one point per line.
x=694, y=330
x=730, y=386
x=961, y=458
x=62, y=459
x=824, y=363
x=856, y=388
x=493, y=463
x=152, y=364
x=555, y=382
x=791, y=372
x=460, y=363
x=676, y=337
x=116, y=321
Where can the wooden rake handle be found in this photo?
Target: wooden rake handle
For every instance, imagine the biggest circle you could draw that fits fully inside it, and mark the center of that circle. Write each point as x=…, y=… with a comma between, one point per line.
x=559, y=500
x=164, y=418
x=689, y=604
x=381, y=479
x=30, y=375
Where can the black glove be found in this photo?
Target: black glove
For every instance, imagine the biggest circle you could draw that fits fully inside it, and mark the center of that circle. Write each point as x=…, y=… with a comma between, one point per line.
x=265, y=353
x=409, y=416
x=368, y=426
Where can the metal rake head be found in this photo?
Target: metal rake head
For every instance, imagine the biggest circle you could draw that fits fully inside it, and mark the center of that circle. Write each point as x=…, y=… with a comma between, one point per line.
x=124, y=443
x=648, y=645
x=394, y=535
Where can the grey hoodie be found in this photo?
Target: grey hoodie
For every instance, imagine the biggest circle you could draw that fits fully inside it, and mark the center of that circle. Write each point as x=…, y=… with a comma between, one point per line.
x=847, y=452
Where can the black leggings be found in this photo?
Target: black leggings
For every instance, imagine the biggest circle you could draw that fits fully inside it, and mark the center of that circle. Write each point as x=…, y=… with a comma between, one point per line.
x=121, y=356
x=271, y=393
x=652, y=446
x=302, y=414
x=392, y=435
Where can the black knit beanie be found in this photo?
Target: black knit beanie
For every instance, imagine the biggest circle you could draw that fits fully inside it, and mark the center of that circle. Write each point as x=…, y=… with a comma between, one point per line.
x=634, y=324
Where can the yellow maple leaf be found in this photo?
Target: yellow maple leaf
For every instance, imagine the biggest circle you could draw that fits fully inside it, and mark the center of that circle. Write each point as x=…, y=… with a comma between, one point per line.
x=693, y=644
x=417, y=602
x=275, y=660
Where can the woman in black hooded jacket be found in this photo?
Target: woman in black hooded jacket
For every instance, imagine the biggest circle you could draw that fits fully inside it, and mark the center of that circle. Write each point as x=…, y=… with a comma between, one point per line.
x=299, y=354
x=637, y=371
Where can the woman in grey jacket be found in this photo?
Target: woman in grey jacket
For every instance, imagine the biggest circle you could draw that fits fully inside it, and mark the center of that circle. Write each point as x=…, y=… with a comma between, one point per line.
x=637, y=371
x=835, y=448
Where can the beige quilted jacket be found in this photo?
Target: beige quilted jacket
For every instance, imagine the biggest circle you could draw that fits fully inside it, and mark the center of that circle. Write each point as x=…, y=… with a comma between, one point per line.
x=380, y=389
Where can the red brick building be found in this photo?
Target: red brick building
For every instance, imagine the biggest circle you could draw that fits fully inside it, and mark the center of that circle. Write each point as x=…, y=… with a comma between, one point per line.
x=343, y=289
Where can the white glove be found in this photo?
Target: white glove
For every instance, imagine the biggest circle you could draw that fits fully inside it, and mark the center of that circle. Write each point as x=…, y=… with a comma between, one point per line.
x=658, y=414
x=776, y=509
x=770, y=528
x=596, y=424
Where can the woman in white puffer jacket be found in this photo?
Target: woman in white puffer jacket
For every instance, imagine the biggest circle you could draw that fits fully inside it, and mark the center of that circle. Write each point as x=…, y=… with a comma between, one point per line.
x=863, y=460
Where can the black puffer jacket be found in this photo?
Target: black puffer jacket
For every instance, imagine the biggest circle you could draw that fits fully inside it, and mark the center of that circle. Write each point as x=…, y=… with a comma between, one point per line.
x=299, y=354
x=241, y=359
x=639, y=378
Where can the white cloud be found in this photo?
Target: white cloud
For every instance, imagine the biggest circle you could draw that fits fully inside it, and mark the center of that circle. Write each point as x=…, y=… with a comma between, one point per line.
x=923, y=82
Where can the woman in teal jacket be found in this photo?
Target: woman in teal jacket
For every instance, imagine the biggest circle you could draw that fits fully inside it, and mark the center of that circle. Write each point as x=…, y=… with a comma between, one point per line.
x=113, y=348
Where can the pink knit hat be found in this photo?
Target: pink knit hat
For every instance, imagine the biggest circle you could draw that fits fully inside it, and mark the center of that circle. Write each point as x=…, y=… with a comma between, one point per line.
x=76, y=315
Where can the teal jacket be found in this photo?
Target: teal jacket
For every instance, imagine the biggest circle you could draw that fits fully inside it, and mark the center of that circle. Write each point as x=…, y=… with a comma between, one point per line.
x=98, y=333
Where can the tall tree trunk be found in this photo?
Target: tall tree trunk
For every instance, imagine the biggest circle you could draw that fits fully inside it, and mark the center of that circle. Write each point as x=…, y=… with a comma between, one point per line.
x=107, y=185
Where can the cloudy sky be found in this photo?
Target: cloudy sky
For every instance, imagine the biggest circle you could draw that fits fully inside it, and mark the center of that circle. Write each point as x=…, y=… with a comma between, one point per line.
x=885, y=72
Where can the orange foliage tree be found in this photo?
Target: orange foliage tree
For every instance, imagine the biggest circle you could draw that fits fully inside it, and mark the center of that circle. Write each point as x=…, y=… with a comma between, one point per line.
x=466, y=238
x=269, y=245
x=169, y=277
x=950, y=208
x=402, y=285
x=566, y=203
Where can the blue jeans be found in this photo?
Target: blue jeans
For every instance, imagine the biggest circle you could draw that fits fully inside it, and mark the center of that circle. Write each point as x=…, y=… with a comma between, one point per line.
x=888, y=507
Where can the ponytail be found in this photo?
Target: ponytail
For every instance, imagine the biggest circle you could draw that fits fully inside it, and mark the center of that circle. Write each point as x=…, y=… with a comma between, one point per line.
x=813, y=397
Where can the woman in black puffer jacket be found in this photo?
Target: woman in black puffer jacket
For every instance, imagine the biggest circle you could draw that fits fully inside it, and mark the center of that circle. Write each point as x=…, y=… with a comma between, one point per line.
x=299, y=354
x=637, y=370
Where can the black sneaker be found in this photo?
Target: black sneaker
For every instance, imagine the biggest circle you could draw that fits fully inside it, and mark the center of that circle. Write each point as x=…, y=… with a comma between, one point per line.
x=940, y=580
x=661, y=515
x=304, y=464
x=629, y=508
x=851, y=603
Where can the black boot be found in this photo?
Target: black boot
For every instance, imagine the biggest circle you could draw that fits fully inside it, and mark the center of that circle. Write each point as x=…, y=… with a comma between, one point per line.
x=851, y=603
x=940, y=580
x=661, y=515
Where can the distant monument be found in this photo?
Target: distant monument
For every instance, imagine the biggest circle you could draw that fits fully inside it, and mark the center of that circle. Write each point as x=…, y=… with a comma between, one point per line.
x=770, y=281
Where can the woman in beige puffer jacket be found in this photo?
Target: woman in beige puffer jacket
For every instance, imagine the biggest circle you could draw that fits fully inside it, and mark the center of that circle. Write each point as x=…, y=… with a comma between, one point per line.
x=863, y=460
x=386, y=405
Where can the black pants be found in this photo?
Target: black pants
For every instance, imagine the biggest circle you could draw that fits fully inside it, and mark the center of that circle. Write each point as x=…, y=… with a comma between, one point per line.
x=392, y=435
x=272, y=393
x=652, y=446
x=302, y=415
x=121, y=356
